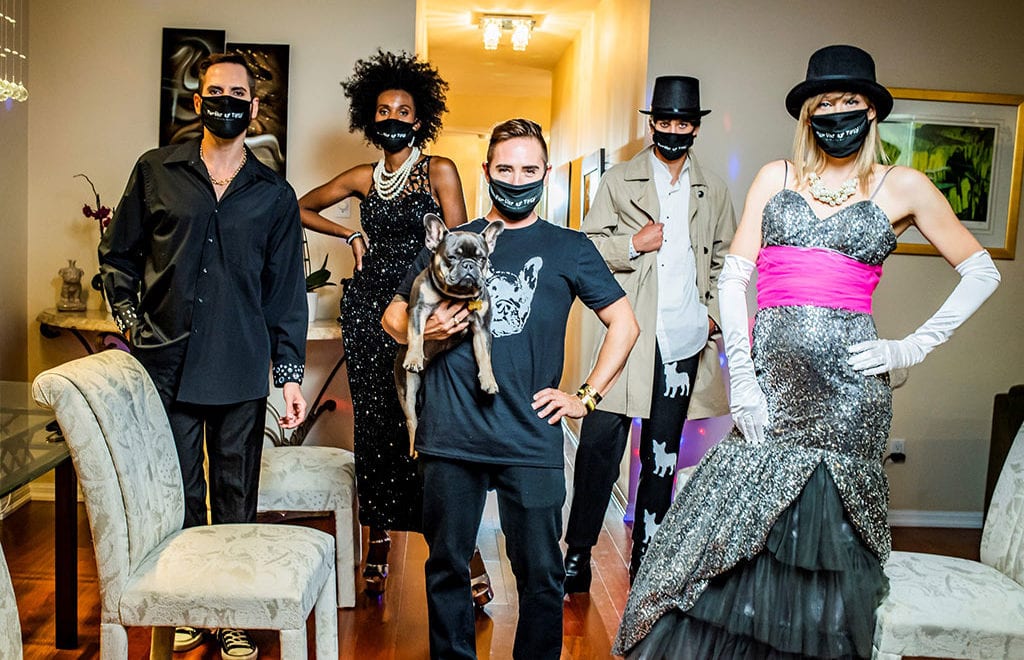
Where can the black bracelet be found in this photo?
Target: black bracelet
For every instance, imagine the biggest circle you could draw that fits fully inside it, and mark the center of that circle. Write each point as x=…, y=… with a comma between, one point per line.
x=353, y=236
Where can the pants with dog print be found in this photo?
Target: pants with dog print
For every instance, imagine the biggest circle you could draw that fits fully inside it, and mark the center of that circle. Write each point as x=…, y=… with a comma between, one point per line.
x=603, y=439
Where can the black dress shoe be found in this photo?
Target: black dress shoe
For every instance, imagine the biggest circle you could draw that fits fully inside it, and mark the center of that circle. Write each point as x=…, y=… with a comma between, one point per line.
x=577, y=571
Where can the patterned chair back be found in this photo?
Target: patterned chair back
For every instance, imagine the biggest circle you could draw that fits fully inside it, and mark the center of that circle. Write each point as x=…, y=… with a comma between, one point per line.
x=1002, y=541
x=10, y=627
x=124, y=454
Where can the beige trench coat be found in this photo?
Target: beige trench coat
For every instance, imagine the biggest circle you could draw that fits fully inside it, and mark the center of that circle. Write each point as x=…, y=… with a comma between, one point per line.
x=627, y=200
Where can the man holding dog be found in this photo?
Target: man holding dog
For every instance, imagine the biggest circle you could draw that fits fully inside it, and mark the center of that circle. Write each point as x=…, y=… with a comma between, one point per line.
x=663, y=224
x=471, y=442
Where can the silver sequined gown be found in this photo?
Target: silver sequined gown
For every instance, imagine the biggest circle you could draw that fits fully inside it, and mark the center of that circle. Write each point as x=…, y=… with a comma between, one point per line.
x=775, y=550
x=390, y=489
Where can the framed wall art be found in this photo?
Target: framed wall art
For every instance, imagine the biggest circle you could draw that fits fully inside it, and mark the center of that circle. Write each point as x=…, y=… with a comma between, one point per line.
x=182, y=51
x=970, y=145
x=268, y=132
x=590, y=176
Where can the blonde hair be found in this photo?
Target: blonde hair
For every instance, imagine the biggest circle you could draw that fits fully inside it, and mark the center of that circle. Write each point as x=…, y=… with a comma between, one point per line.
x=809, y=157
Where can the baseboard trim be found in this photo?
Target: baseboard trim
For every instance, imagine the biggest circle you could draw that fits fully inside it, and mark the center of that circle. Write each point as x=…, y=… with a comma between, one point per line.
x=915, y=518
x=47, y=492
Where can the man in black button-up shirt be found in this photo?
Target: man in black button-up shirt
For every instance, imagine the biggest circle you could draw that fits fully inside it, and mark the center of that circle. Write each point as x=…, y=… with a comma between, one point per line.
x=202, y=265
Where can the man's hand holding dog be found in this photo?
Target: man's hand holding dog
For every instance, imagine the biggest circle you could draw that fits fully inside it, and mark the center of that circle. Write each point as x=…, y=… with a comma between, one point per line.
x=449, y=319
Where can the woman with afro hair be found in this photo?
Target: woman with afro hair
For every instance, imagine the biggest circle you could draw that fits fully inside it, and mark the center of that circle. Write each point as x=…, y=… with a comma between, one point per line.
x=396, y=101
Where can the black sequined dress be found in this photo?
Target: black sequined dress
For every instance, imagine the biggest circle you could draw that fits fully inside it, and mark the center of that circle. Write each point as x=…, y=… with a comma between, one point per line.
x=390, y=490
x=775, y=550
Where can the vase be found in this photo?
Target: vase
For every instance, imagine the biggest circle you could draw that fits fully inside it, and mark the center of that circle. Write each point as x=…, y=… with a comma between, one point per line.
x=311, y=300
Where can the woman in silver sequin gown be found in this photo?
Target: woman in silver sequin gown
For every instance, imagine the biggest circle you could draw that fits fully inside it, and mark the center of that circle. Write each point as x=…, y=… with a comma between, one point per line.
x=391, y=95
x=774, y=548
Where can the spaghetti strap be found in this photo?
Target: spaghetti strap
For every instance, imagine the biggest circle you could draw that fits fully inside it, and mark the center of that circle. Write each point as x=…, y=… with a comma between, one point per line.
x=785, y=174
x=879, y=186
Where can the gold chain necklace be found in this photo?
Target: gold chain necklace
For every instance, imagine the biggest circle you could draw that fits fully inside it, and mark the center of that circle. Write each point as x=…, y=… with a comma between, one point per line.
x=224, y=182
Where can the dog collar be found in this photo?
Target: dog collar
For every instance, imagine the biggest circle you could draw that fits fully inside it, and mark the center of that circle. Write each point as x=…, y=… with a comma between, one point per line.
x=475, y=305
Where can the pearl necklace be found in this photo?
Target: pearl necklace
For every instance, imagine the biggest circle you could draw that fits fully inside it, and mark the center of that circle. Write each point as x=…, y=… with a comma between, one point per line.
x=223, y=182
x=825, y=195
x=390, y=184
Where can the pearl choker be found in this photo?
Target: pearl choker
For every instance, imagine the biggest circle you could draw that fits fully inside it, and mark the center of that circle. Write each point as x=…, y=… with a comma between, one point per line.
x=390, y=184
x=825, y=195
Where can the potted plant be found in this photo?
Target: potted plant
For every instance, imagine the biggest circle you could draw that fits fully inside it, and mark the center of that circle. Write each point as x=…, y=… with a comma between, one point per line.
x=315, y=280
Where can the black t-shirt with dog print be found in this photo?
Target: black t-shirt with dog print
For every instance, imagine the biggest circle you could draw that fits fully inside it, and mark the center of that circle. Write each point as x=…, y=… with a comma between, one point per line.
x=535, y=274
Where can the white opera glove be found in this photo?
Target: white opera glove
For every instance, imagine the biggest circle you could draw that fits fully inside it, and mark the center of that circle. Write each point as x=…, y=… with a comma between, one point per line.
x=978, y=279
x=747, y=402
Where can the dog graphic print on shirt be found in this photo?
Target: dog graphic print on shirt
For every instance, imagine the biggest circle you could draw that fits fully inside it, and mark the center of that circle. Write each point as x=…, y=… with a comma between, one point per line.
x=512, y=297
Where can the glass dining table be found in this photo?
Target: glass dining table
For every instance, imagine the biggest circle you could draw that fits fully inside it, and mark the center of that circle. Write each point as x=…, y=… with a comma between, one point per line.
x=31, y=445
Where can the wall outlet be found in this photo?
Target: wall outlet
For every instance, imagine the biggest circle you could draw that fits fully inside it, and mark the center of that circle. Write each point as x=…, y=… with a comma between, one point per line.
x=897, y=446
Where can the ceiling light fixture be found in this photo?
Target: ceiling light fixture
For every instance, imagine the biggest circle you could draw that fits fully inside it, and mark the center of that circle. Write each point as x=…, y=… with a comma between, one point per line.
x=493, y=25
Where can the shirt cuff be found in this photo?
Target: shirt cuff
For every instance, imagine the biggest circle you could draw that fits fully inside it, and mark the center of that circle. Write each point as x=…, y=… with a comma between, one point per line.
x=125, y=319
x=288, y=372
x=633, y=254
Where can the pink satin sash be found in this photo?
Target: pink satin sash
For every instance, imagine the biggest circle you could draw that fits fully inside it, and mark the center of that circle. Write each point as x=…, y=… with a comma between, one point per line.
x=789, y=276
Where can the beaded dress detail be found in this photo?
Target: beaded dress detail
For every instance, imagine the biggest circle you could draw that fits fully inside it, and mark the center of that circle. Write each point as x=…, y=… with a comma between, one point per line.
x=390, y=491
x=775, y=550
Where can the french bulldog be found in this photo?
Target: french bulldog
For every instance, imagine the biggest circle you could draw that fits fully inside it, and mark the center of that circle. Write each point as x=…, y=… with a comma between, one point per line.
x=457, y=271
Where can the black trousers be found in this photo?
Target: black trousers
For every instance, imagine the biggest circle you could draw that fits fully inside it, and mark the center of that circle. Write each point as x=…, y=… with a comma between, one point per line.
x=603, y=439
x=530, y=508
x=234, y=446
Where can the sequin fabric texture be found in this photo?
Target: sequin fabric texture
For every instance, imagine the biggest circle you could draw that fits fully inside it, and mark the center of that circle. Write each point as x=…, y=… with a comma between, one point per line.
x=819, y=411
x=390, y=491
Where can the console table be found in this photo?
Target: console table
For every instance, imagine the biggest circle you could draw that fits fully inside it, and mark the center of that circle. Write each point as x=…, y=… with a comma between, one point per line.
x=53, y=322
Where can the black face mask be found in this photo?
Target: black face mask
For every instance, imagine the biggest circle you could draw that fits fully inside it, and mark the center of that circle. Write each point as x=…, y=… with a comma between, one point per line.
x=393, y=135
x=841, y=134
x=672, y=146
x=227, y=117
x=516, y=202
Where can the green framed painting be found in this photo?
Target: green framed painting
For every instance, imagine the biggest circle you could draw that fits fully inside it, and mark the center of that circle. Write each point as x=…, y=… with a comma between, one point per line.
x=970, y=146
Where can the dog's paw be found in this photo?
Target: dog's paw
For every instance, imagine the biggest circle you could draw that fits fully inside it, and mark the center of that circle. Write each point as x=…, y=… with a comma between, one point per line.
x=413, y=364
x=489, y=385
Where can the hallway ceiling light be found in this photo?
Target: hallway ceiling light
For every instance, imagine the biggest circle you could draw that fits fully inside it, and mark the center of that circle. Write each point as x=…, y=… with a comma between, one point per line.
x=493, y=25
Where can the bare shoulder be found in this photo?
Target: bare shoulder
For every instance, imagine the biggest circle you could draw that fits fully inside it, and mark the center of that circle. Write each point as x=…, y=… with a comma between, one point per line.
x=442, y=164
x=773, y=176
x=902, y=177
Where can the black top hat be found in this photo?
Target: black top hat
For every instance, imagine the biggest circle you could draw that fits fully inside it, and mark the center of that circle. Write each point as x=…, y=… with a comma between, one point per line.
x=676, y=96
x=840, y=69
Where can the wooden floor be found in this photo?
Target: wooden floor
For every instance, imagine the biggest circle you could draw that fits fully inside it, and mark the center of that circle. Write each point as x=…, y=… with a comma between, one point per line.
x=392, y=627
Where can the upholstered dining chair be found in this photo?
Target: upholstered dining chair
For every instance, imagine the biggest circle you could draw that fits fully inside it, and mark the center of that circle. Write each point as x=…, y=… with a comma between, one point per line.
x=309, y=479
x=955, y=608
x=10, y=627
x=151, y=571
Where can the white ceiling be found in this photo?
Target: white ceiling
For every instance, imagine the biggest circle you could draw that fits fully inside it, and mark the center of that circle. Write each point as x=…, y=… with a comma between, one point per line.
x=455, y=43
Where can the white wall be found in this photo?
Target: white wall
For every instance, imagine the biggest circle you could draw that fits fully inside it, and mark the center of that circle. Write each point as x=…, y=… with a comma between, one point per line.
x=748, y=56
x=94, y=109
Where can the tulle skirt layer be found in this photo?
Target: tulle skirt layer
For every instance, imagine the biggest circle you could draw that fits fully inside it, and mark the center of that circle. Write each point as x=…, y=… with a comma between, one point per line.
x=812, y=592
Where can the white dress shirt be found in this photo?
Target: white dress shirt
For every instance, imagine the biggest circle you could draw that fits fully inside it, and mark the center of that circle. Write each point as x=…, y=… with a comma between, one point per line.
x=682, y=327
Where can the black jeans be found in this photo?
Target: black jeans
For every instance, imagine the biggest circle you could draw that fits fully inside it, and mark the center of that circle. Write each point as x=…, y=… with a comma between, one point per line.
x=234, y=446
x=530, y=508
x=603, y=438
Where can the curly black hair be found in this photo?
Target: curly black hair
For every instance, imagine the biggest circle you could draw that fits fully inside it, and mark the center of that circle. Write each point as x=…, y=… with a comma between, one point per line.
x=402, y=71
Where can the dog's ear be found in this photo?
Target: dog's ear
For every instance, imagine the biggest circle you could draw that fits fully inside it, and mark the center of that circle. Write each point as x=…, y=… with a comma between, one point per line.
x=491, y=234
x=436, y=231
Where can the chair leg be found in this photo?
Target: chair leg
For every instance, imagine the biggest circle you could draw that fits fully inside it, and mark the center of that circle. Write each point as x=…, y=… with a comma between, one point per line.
x=325, y=613
x=113, y=642
x=345, y=559
x=161, y=643
x=293, y=644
